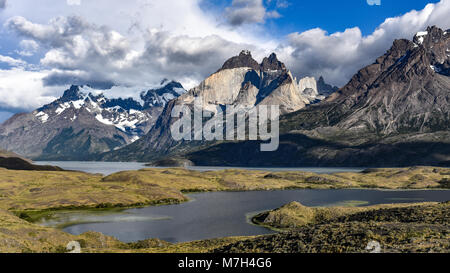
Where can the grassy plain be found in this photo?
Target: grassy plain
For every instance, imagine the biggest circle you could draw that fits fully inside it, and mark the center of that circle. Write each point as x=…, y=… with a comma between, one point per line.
x=26, y=196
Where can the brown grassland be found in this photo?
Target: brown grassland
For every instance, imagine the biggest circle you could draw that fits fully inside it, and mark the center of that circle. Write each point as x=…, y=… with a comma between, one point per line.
x=26, y=196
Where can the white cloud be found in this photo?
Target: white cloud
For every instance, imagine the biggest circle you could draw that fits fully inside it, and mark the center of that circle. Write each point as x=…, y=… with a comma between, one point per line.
x=133, y=17
x=137, y=43
x=248, y=12
x=73, y=2
x=144, y=43
x=22, y=90
x=12, y=61
x=83, y=53
x=188, y=58
x=340, y=55
x=27, y=48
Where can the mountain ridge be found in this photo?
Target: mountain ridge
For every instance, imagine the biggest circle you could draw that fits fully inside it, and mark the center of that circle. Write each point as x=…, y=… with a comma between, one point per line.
x=394, y=112
x=241, y=82
x=84, y=122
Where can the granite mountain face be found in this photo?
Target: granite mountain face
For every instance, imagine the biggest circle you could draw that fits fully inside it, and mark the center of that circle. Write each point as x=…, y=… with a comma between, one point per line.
x=315, y=91
x=84, y=122
x=241, y=82
x=394, y=112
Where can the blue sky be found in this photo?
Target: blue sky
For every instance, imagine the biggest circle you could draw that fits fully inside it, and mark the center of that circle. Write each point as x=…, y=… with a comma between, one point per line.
x=48, y=45
x=330, y=15
x=336, y=16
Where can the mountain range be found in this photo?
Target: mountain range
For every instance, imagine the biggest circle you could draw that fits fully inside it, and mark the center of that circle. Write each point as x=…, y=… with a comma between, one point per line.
x=394, y=112
x=84, y=122
x=240, y=82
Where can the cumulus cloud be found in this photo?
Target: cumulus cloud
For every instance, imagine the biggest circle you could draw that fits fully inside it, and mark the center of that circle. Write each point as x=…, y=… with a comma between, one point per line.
x=185, y=44
x=248, y=11
x=184, y=56
x=83, y=53
x=340, y=55
x=22, y=90
x=12, y=61
x=73, y=2
x=79, y=51
x=102, y=52
x=27, y=48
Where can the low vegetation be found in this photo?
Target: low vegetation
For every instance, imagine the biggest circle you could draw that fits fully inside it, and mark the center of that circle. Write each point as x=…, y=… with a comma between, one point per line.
x=28, y=191
x=294, y=215
x=420, y=228
x=26, y=196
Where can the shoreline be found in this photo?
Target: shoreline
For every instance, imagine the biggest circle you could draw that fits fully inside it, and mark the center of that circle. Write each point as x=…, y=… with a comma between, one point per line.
x=216, y=181
x=30, y=214
x=250, y=216
x=93, y=242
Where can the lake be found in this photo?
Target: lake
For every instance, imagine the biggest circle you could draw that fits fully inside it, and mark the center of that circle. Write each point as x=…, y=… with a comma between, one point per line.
x=221, y=214
x=107, y=168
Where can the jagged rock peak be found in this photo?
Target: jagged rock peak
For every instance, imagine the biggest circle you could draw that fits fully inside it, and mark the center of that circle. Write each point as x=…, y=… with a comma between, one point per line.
x=429, y=37
x=325, y=89
x=245, y=53
x=272, y=64
x=159, y=97
x=72, y=94
x=307, y=83
x=244, y=59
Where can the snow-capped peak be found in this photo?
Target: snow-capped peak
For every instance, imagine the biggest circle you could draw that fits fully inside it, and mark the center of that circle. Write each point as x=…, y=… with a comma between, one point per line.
x=159, y=97
x=131, y=114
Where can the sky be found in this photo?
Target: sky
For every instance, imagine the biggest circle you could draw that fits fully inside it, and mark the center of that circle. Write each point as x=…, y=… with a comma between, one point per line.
x=126, y=47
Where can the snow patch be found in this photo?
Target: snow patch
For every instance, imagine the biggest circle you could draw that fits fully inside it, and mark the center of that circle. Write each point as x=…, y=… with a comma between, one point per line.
x=102, y=120
x=78, y=104
x=62, y=107
x=420, y=36
x=134, y=139
x=122, y=122
x=422, y=33
x=43, y=117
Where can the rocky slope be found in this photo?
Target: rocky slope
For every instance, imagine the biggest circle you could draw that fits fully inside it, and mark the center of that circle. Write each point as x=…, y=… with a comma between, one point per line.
x=241, y=82
x=84, y=122
x=394, y=112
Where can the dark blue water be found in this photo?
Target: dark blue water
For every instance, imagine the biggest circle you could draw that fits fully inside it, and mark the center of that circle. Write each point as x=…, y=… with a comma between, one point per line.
x=222, y=214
